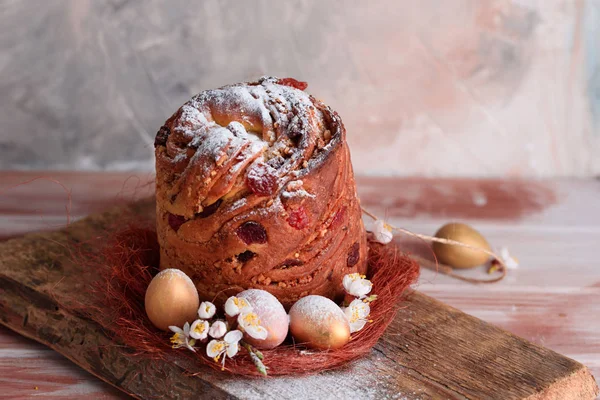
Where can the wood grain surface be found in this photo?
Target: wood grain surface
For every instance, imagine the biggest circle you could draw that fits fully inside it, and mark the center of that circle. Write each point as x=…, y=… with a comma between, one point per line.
x=543, y=300
x=486, y=88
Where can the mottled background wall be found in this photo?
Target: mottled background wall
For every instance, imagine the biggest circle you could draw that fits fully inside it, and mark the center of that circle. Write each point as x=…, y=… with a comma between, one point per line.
x=429, y=87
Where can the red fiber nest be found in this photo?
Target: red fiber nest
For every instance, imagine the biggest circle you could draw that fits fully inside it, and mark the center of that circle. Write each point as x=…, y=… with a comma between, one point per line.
x=130, y=260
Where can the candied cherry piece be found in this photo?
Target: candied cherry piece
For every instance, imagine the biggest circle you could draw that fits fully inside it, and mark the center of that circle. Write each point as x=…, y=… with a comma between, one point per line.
x=252, y=232
x=175, y=221
x=338, y=217
x=262, y=179
x=298, y=218
x=353, y=255
x=293, y=83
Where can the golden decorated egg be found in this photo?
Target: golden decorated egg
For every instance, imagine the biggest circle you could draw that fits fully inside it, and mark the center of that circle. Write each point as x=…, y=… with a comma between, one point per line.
x=272, y=317
x=171, y=299
x=319, y=323
x=457, y=256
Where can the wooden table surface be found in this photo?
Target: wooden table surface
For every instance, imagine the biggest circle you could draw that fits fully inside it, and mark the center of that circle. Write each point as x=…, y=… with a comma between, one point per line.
x=552, y=227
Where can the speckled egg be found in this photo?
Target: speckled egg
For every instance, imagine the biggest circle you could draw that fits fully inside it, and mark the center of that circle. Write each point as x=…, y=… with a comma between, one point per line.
x=319, y=323
x=272, y=317
x=171, y=299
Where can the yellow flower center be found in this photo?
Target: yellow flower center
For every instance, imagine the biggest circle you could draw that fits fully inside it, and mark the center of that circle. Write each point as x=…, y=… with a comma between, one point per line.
x=218, y=348
x=200, y=328
x=176, y=339
x=356, y=276
x=251, y=319
x=240, y=302
x=355, y=315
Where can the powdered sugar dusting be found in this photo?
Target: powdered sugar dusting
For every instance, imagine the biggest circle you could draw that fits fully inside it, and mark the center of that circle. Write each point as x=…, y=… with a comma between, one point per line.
x=172, y=273
x=259, y=173
x=179, y=157
x=297, y=193
x=276, y=122
x=214, y=144
x=357, y=381
x=296, y=189
x=190, y=120
x=264, y=301
x=318, y=309
x=238, y=204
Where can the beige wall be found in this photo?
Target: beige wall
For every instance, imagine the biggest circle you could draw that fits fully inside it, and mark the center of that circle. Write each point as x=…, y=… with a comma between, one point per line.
x=452, y=88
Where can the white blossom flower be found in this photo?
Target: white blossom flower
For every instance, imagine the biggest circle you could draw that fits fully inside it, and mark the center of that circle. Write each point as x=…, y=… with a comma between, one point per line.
x=235, y=305
x=507, y=259
x=228, y=347
x=249, y=322
x=357, y=285
x=382, y=231
x=199, y=329
x=207, y=310
x=218, y=329
x=181, y=338
x=357, y=313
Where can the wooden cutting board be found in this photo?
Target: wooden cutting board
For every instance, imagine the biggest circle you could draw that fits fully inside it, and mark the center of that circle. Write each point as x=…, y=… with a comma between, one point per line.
x=430, y=351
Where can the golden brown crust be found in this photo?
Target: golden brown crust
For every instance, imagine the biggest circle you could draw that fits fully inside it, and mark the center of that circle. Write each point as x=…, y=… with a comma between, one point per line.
x=255, y=189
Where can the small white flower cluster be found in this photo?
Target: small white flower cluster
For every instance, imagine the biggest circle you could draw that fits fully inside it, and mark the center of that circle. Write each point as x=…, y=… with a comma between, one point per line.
x=200, y=328
x=247, y=319
x=358, y=310
x=224, y=342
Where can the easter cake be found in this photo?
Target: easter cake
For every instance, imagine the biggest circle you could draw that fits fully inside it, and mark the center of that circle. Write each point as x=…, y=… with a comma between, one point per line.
x=255, y=189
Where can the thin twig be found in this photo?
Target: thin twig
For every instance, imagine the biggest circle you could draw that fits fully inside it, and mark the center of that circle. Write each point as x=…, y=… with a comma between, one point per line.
x=445, y=269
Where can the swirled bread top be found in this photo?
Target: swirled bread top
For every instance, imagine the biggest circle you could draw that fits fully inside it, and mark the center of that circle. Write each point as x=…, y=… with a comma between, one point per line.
x=223, y=140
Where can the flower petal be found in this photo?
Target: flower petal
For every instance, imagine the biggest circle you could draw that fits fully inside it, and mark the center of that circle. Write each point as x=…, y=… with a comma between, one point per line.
x=206, y=310
x=360, y=287
x=361, y=308
x=215, y=348
x=347, y=312
x=186, y=329
x=509, y=261
x=199, y=329
x=364, y=311
x=189, y=344
x=232, y=349
x=347, y=281
x=218, y=329
x=176, y=329
x=257, y=332
x=247, y=318
x=382, y=232
x=233, y=336
x=358, y=325
x=231, y=307
x=244, y=304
